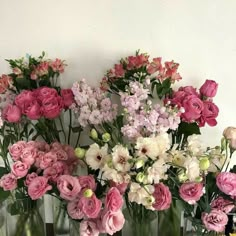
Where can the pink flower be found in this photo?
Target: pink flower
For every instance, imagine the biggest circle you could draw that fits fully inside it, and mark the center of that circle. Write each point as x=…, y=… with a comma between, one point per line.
x=222, y=204
x=29, y=178
x=68, y=97
x=88, y=228
x=8, y=182
x=11, y=113
x=16, y=150
x=74, y=209
x=226, y=182
x=119, y=70
x=51, y=107
x=230, y=134
x=112, y=221
x=191, y=192
x=121, y=187
x=28, y=155
x=91, y=206
x=16, y=71
x=87, y=181
x=68, y=186
x=162, y=197
x=38, y=187
x=155, y=65
x=42, y=68
x=33, y=110
x=19, y=169
x=47, y=160
x=45, y=92
x=189, y=90
x=33, y=75
x=60, y=154
x=24, y=100
x=114, y=200
x=215, y=220
x=57, y=65
x=5, y=81
x=209, y=88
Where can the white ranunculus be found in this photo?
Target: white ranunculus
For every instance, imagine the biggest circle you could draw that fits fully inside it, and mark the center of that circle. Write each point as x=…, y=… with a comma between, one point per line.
x=194, y=145
x=192, y=168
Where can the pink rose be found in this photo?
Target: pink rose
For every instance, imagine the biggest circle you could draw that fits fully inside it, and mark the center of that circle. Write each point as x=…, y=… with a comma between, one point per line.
x=87, y=181
x=47, y=160
x=114, y=200
x=68, y=186
x=38, y=187
x=16, y=149
x=222, y=204
x=8, y=182
x=11, y=113
x=121, y=187
x=191, y=192
x=45, y=92
x=29, y=178
x=209, y=88
x=28, y=155
x=24, y=99
x=19, y=169
x=74, y=209
x=60, y=154
x=162, y=197
x=215, y=220
x=230, y=134
x=33, y=110
x=209, y=113
x=112, y=221
x=91, y=206
x=119, y=70
x=52, y=106
x=226, y=182
x=68, y=97
x=88, y=228
x=189, y=90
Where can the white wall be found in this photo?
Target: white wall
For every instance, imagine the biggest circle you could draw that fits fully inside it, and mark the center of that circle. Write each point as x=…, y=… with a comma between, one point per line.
x=93, y=34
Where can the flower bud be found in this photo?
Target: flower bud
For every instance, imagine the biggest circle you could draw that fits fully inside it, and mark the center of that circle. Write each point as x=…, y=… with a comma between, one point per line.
x=139, y=163
x=182, y=177
x=88, y=193
x=150, y=200
x=80, y=152
x=106, y=137
x=204, y=163
x=223, y=143
x=199, y=179
x=140, y=177
x=94, y=134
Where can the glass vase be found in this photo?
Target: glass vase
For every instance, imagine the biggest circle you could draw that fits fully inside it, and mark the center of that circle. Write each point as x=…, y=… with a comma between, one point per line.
x=140, y=221
x=74, y=227
x=24, y=218
x=2, y=220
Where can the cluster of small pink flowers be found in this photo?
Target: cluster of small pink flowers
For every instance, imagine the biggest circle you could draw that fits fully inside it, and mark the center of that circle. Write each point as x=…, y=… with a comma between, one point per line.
x=5, y=83
x=198, y=106
x=39, y=164
x=92, y=106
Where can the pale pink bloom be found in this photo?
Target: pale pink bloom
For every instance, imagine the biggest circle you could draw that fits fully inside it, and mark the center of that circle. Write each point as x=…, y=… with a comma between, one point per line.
x=95, y=117
x=33, y=75
x=57, y=65
x=38, y=187
x=68, y=186
x=16, y=71
x=87, y=181
x=42, y=68
x=162, y=197
x=29, y=178
x=47, y=160
x=19, y=169
x=222, y=204
x=121, y=187
x=230, y=134
x=28, y=155
x=16, y=150
x=216, y=220
x=74, y=209
x=226, y=182
x=88, y=228
x=8, y=182
x=113, y=200
x=191, y=192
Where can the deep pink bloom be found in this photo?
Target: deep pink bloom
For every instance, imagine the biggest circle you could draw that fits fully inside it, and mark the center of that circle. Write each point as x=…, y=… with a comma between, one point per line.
x=155, y=65
x=11, y=113
x=51, y=107
x=68, y=97
x=114, y=200
x=162, y=197
x=24, y=100
x=19, y=169
x=8, y=182
x=209, y=88
x=119, y=70
x=226, y=182
x=33, y=111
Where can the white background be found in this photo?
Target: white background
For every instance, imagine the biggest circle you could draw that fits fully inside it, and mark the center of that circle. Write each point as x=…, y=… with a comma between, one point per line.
x=91, y=35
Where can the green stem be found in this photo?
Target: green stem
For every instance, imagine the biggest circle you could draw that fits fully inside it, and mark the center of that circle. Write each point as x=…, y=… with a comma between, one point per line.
x=69, y=134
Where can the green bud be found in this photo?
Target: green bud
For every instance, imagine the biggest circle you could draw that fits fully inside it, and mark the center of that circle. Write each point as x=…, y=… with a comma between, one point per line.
x=88, y=193
x=182, y=177
x=199, y=179
x=94, y=134
x=140, y=177
x=139, y=163
x=223, y=143
x=80, y=152
x=150, y=200
x=106, y=137
x=204, y=163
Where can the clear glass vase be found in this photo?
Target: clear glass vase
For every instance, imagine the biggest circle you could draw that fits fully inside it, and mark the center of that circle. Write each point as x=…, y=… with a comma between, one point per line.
x=140, y=221
x=24, y=218
x=74, y=227
x=2, y=220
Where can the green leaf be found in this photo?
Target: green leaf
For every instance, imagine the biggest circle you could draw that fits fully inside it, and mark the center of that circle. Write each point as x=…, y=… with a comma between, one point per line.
x=76, y=129
x=188, y=128
x=4, y=195
x=3, y=171
x=23, y=83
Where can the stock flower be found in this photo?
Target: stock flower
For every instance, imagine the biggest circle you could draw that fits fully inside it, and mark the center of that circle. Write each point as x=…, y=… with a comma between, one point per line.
x=19, y=169
x=226, y=182
x=88, y=228
x=8, y=182
x=12, y=113
x=209, y=88
x=114, y=200
x=215, y=220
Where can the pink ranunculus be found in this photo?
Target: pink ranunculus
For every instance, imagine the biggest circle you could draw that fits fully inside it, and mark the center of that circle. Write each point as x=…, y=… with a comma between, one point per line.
x=114, y=200
x=47, y=160
x=19, y=169
x=112, y=221
x=68, y=97
x=226, y=182
x=209, y=113
x=162, y=197
x=121, y=187
x=189, y=90
x=191, y=192
x=193, y=107
x=45, y=92
x=24, y=99
x=51, y=107
x=11, y=113
x=230, y=134
x=38, y=187
x=209, y=88
x=216, y=220
x=33, y=111
x=8, y=182
x=91, y=206
x=88, y=228
x=68, y=186
x=28, y=155
x=74, y=209
x=29, y=178
x=16, y=150
x=87, y=181
x=222, y=204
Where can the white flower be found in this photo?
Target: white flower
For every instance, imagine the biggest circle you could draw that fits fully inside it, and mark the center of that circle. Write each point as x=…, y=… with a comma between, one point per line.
x=152, y=147
x=95, y=156
x=194, y=144
x=120, y=158
x=192, y=168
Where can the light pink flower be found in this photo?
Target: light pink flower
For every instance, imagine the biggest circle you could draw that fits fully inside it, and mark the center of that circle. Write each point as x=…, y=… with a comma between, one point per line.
x=88, y=228
x=121, y=187
x=74, y=209
x=162, y=197
x=191, y=192
x=47, y=160
x=57, y=65
x=29, y=178
x=11, y=113
x=19, y=169
x=215, y=220
x=209, y=88
x=112, y=221
x=16, y=149
x=68, y=186
x=38, y=187
x=226, y=182
x=222, y=204
x=155, y=65
x=87, y=181
x=114, y=200
x=28, y=155
x=8, y=182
